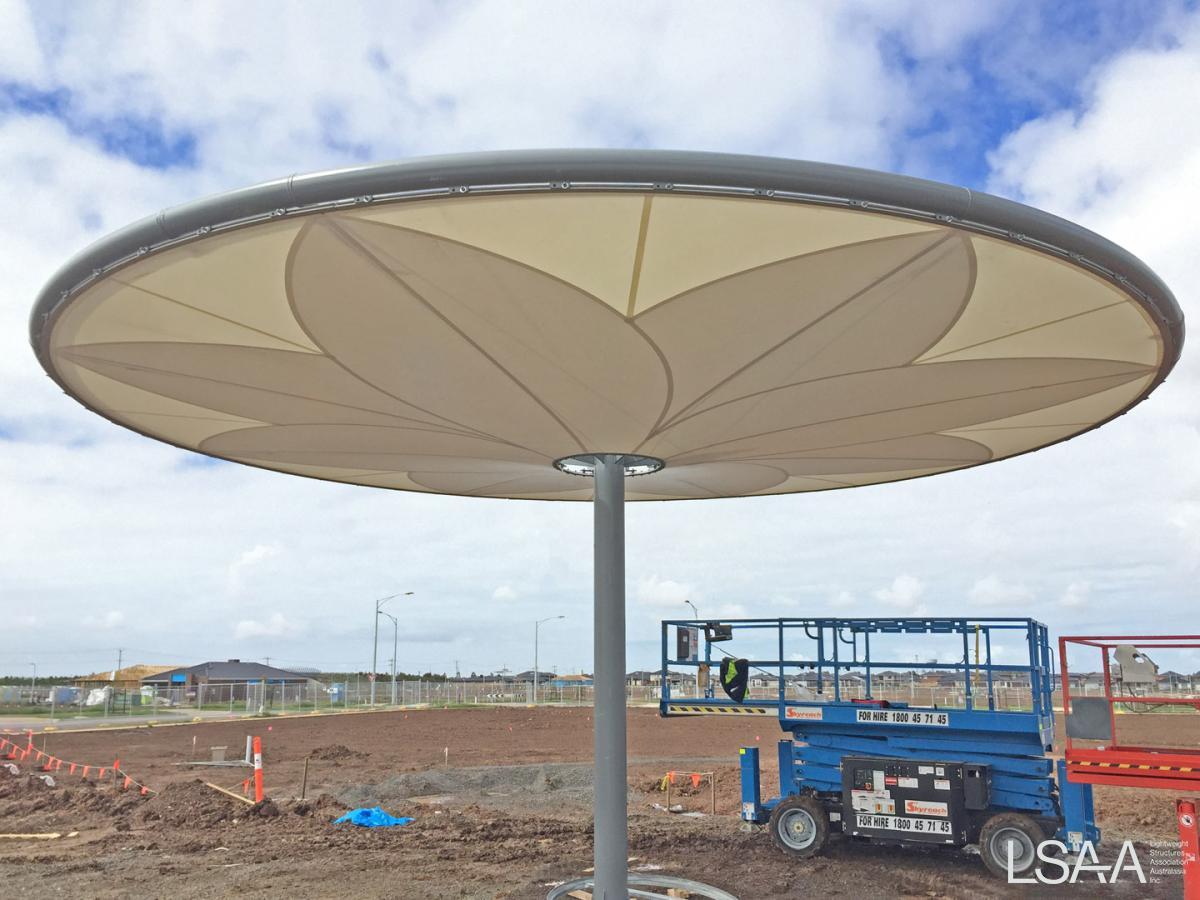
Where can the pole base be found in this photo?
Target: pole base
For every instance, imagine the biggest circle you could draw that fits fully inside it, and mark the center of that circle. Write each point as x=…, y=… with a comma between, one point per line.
x=647, y=887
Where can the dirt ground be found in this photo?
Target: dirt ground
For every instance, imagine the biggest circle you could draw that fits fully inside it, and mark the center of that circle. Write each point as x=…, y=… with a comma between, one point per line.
x=500, y=798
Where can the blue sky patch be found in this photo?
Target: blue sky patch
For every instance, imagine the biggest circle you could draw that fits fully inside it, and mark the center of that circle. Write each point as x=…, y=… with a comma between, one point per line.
x=143, y=140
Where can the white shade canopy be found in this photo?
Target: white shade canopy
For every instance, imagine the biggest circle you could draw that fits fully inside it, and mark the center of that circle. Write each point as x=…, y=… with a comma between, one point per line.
x=460, y=338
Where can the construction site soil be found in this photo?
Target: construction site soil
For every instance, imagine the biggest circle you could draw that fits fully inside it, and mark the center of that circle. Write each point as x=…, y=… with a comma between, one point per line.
x=500, y=799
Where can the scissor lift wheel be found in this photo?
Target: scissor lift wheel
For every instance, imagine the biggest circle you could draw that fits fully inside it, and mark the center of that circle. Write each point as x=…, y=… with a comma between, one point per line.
x=800, y=826
x=1010, y=832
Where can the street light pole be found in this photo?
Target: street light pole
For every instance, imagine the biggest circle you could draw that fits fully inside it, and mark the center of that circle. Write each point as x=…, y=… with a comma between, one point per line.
x=375, y=641
x=695, y=612
x=33, y=685
x=395, y=645
x=536, y=626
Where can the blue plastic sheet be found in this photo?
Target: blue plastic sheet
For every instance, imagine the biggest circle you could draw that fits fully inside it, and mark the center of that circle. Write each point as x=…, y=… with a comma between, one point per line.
x=374, y=817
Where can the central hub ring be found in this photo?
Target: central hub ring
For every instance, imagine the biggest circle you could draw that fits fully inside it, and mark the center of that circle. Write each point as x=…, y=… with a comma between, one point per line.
x=584, y=464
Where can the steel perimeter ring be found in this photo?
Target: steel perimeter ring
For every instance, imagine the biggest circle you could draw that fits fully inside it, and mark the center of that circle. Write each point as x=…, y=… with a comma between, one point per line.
x=640, y=888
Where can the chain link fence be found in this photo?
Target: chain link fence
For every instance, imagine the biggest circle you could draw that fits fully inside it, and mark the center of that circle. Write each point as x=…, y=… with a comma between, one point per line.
x=66, y=701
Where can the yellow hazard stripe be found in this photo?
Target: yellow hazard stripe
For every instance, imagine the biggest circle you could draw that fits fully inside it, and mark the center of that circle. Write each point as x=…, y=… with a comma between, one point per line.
x=719, y=710
x=1113, y=765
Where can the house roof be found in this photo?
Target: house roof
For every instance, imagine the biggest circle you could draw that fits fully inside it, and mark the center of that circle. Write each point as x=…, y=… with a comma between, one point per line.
x=229, y=670
x=129, y=673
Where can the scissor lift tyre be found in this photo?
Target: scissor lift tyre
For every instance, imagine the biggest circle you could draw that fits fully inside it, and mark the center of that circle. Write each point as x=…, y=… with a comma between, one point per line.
x=1005, y=829
x=800, y=826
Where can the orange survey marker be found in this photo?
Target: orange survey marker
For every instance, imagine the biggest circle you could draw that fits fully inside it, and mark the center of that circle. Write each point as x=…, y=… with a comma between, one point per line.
x=258, y=770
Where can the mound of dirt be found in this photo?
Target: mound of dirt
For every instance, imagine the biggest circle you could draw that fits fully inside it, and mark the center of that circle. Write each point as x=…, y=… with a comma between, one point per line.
x=28, y=804
x=322, y=807
x=338, y=753
x=193, y=804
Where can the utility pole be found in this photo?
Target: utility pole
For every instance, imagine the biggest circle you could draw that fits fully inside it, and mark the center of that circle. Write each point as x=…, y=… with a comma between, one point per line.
x=117, y=673
x=268, y=659
x=536, y=626
x=395, y=645
x=375, y=640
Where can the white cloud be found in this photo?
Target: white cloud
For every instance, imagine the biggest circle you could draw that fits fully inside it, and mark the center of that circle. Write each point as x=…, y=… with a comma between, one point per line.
x=662, y=593
x=246, y=562
x=904, y=593
x=22, y=58
x=1076, y=595
x=504, y=592
x=110, y=620
x=990, y=591
x=277, y=626
x=842, y=600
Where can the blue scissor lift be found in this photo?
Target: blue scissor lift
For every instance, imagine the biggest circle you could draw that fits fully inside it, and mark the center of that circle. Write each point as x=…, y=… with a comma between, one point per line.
x=887, y=769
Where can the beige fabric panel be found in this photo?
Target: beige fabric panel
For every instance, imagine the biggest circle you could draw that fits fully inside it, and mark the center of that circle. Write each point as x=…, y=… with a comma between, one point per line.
x=120, y=399
x=533, y=338
x=461, y=345
x=820, y=308
x=1119, y=331
x=862, y=480
x=1019, y=438
x=691, y=240
x=238, y=276
x=131, y=314
x=1022, y=296
x=1085, y=411
x=588, y=240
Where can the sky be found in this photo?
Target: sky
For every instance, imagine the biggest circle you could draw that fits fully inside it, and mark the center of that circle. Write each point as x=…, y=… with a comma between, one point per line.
x=112, y=111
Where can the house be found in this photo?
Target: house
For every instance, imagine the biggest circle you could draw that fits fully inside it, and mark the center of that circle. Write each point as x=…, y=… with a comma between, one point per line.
x=643, y=679
x=570, y=681
x=526, y=677
x=890, y=679
x=126, y=679
x=229, y=672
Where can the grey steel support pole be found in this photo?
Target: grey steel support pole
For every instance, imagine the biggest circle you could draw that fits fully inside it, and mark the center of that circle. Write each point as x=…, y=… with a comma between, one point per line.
x=375, y=653
x=610, y=812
